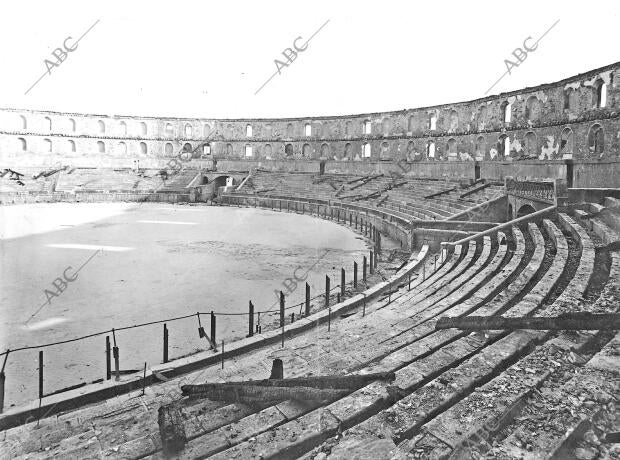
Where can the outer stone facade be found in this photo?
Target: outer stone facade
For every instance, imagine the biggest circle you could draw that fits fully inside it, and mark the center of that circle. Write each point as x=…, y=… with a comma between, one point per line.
x=576, y=118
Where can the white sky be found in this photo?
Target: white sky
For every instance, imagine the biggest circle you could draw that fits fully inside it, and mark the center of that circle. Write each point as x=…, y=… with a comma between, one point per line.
x=207, y=59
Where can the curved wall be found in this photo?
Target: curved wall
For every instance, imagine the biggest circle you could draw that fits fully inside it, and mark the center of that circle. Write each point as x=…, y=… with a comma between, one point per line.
x=576, y=118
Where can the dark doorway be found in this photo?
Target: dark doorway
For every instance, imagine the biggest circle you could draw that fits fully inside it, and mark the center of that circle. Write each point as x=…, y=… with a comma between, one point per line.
x=321, y=168
x=477, y=171
x=525, y=210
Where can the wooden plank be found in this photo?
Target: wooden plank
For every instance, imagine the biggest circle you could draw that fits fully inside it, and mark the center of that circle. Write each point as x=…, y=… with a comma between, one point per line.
x=580, y=321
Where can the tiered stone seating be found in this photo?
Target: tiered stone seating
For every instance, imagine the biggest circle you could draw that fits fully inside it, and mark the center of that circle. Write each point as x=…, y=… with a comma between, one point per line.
x=108, y=180
x=401, y=195
x=449, y=383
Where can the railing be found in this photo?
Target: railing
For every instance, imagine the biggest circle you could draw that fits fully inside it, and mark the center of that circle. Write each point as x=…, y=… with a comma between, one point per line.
x=541, y=191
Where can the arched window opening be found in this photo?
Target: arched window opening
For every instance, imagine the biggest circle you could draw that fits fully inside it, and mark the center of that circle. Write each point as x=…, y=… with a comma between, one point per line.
x=366, y=150
x=22, y=143
x=169, y=129
x=248, y=131
x=385, y=148
x=451, y=147
x=143, y=148
x=367, y=127
x=101, y=126
x=122, y=148
x=143, y=129
x=268, y=130
x=506, y=110
x=601, y=94
x=432, y=122
x=248, y=150
x=188, y=130
x=530, y=144
x=71, y=146
x=410, y=123
x=430, y=149
x=168, y=148
x=268, y=150
x=288, y=150
x=347, y=150
x=454, y=120
x=532, y=108
x=306, y=151
x=480, y=146
x=206, y=149
x=566, y=141
x=123, y=128
x=206, y=130
x=100, y=147
x=596, y=140
x=48, y=124
x=24, y=122
x=72, y=124
x=568, y=95
x=308, y=129
x=386, y=126
x=324, y=150
x=187, y=147
x=289, y=130
x=481, y=117
x=503, y=145
x=229, y=149
x=47, y=145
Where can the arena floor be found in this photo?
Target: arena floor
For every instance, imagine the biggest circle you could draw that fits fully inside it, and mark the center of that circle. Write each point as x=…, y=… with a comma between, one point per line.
x=135, y=261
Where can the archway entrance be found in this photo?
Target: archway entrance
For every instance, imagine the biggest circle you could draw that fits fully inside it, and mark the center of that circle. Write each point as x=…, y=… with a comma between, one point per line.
x=525, y=210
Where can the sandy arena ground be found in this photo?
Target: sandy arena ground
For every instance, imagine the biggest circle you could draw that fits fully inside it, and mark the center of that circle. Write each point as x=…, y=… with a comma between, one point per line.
x=143, y=263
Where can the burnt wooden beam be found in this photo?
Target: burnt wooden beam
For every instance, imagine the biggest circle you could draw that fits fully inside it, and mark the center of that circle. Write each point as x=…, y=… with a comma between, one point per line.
x=566, y=322
x=349, y=382
x=240, y=392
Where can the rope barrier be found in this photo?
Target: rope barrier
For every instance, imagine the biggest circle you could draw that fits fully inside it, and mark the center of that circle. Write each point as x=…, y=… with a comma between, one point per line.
x=124, y=328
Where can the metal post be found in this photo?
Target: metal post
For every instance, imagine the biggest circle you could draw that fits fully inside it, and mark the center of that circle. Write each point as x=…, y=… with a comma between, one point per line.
x=3, y=380
x=376, y=258
x=307, y=299
x=354, y=275
x=364, y=267
x=372, y=258
x=329, y=320
x=222, y=353
x=424, y=271
x=108, y=358
x=435, y=262
x=144, y=379
x=40, y=374
x=115, y=353
x=326, y=290
x=281, y=309
x=342, y=283
x=213, y=328
x=165, y=343
x=251, y=320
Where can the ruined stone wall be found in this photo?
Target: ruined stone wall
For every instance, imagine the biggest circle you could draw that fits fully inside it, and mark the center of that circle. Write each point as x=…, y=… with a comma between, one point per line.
x=576, y=118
